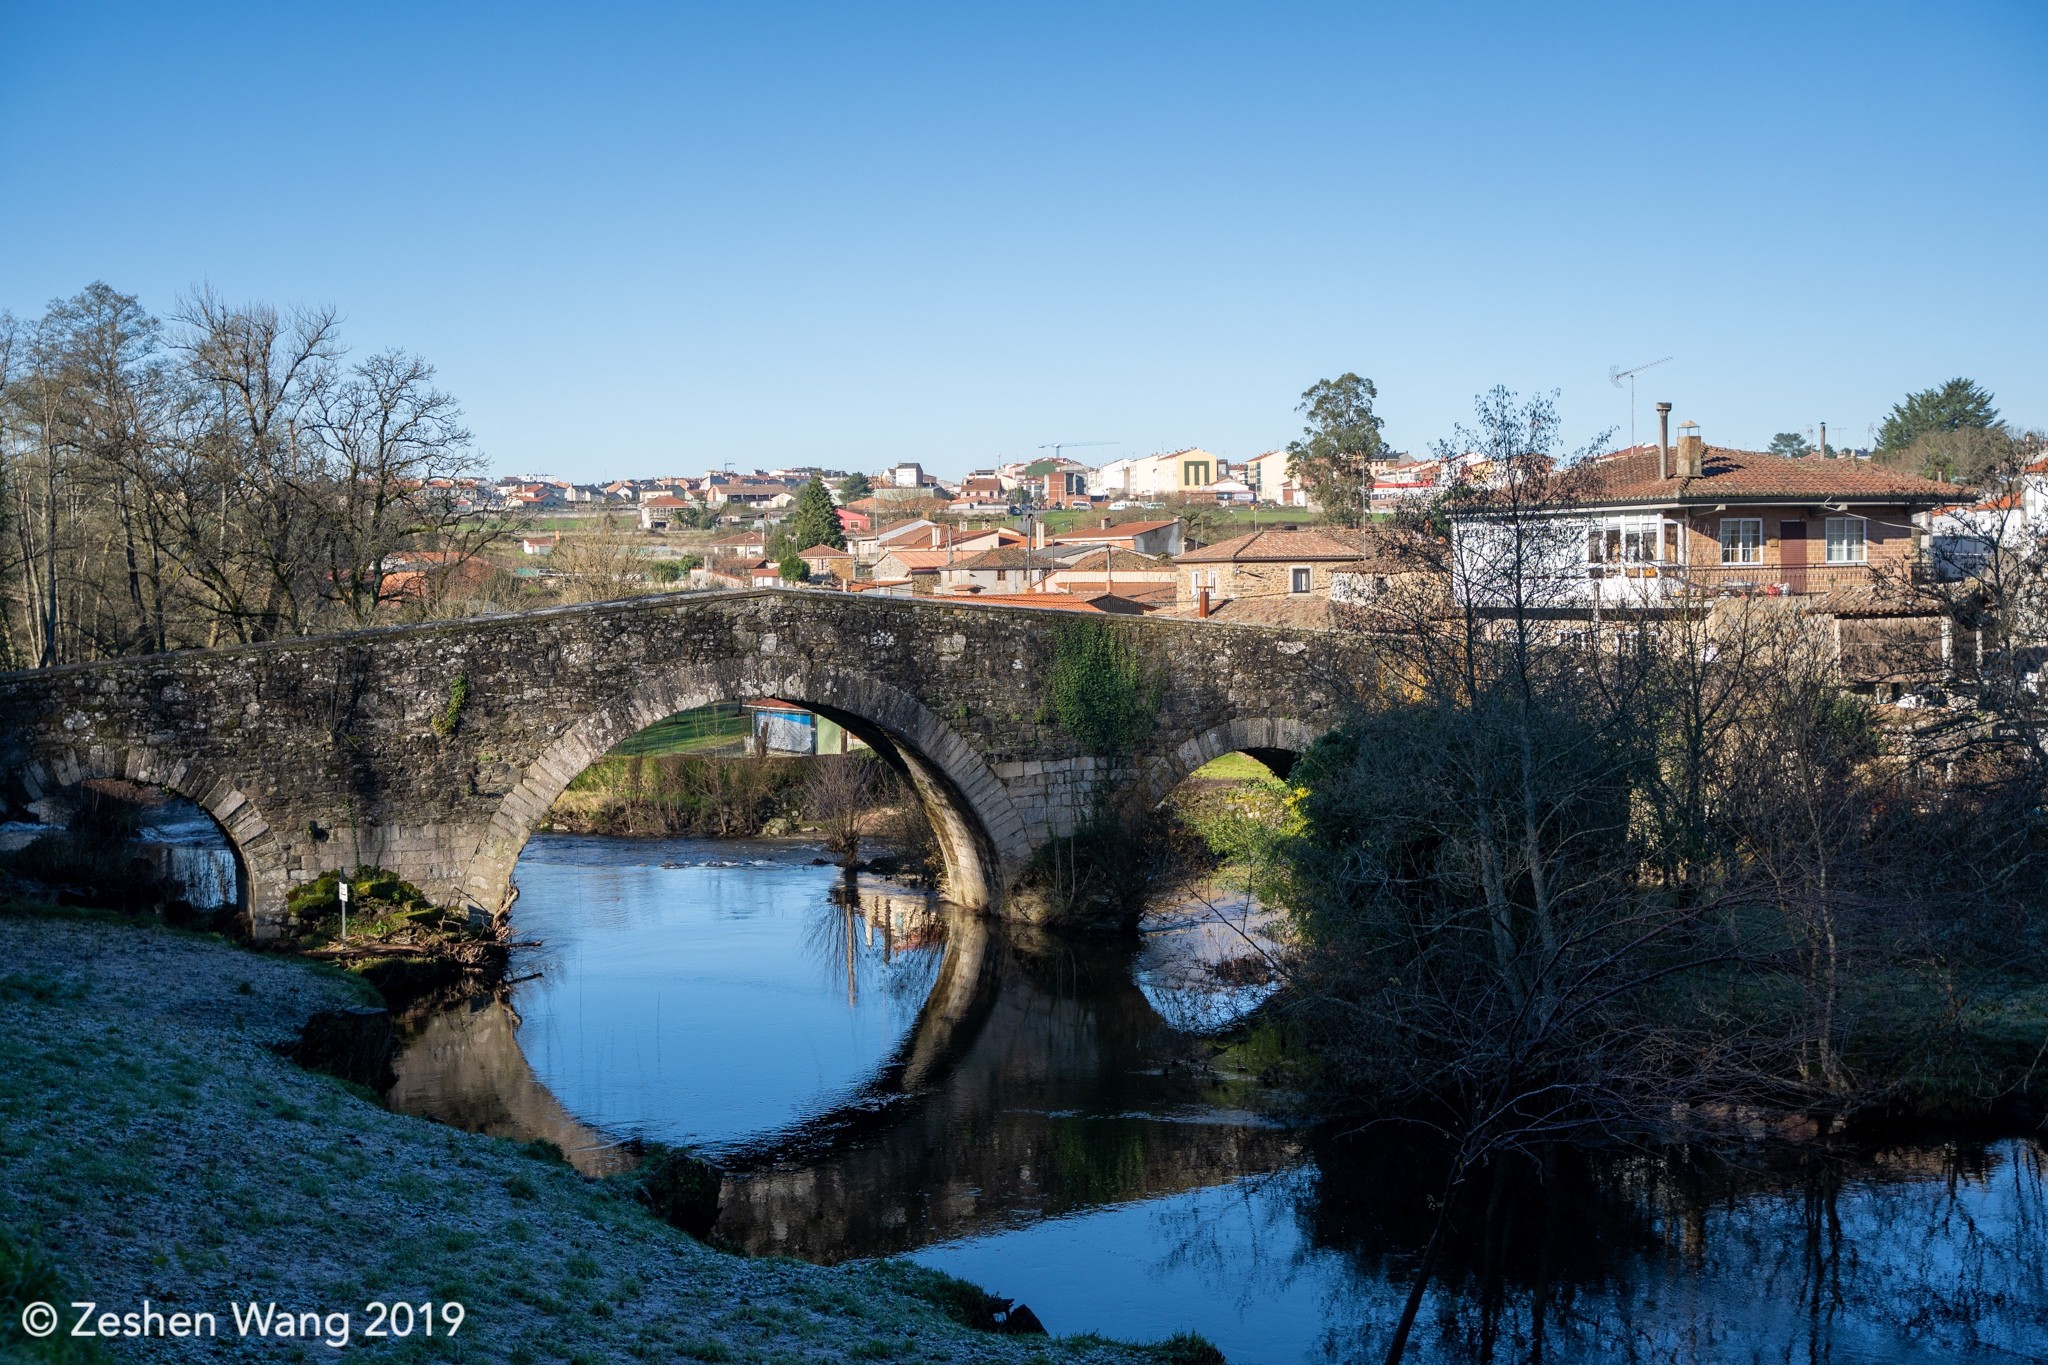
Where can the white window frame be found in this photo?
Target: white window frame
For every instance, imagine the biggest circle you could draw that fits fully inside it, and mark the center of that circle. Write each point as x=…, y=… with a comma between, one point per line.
x=1632, y=539
x=1301, y=579
x=1735, y=549
x=1838, y=531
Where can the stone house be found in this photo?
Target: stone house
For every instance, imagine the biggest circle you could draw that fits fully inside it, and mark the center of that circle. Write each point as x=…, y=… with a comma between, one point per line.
x=1264, y=564
x=825, y=562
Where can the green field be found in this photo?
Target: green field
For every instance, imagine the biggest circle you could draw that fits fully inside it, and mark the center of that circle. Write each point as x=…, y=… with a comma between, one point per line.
x=1234, y=767
x=688, y=732
x=1238, y=519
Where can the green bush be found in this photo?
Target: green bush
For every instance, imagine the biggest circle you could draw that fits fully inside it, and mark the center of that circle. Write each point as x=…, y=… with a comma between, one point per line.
x=679, y=1189
x=673, y=794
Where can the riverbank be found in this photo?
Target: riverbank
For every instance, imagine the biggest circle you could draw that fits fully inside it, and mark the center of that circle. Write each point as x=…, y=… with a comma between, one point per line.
x=157, y=1146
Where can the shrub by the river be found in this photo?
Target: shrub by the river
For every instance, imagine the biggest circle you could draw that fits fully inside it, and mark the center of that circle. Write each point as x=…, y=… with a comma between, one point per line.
x=677, y=794
x=680, y=1189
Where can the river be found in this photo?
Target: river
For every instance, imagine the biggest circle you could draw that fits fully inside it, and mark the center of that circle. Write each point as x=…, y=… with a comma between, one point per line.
x=1055, y=1119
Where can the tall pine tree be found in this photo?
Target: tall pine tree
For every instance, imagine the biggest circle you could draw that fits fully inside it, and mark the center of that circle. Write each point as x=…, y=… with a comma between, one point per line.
x=813, y=521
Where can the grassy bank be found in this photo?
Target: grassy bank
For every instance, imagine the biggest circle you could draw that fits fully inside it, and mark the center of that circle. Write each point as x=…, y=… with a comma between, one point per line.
x=156, y=1146
x=677, y=794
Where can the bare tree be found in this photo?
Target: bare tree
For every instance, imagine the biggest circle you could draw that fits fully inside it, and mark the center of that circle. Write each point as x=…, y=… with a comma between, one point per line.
x=395, y=450
x=1575, y=878
x=228, y=479
x=840, y=797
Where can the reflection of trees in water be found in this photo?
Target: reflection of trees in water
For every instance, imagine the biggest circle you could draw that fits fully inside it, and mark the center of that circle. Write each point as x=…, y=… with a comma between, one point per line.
x=871, y=939
x=1655, y=1258
x=1246, y=1247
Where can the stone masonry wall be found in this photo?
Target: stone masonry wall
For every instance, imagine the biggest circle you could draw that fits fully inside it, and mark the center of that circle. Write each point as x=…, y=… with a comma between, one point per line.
x=329, y=752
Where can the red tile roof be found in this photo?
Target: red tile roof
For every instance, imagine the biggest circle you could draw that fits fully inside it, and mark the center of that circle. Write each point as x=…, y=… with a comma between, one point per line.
x=1001, y=557
x=920, y=559
x=1266, y=546
x=1125, y=561
x=1123, y=530
x=1631, y=476
x=1051, y=601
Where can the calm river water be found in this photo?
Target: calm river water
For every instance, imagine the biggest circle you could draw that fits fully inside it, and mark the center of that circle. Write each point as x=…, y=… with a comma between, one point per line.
x=1048, y=1118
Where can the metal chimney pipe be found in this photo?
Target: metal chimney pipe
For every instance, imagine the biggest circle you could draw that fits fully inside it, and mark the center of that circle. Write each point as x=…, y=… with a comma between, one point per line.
x=1663, y=440
x=1202, y=607
x=1823, y=440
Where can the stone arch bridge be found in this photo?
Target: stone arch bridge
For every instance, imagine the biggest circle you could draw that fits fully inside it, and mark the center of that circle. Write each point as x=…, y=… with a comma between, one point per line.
x=351, y=749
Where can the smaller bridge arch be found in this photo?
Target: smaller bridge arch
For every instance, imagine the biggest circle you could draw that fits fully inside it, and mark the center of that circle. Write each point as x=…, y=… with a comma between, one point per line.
x=1275, y=741
x=981, y=837
x=260, y=854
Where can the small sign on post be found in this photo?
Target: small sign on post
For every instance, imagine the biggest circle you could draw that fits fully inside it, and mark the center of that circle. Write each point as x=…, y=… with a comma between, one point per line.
x=341, y=887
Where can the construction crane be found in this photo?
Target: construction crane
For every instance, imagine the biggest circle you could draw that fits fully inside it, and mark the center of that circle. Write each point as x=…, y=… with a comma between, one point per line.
x=1615, y=376
x=1057, y=446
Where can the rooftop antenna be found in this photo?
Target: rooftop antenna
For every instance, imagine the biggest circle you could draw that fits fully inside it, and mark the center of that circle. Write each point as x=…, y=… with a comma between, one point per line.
x=1615, y=376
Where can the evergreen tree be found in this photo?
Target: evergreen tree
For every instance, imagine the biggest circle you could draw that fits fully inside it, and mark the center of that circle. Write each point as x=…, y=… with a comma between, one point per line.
x=1957, y=405
x=1333, y=457
x=814, y=521
x=1790, y=444
x=854, y=487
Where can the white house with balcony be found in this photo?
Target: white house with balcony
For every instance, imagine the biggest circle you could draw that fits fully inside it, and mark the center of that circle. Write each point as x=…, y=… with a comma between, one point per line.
x=1652, y=524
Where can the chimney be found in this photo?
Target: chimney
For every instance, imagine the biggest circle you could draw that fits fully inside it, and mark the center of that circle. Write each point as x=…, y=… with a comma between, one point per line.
x=1663, y=440
x=1105, y=523
x=1692, y=451
x=1038, y=535
x=1823, y=440
x=1202, y=605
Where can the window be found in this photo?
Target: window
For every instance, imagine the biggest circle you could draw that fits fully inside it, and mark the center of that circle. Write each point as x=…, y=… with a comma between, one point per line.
x=1630, y=540
x=1742, y=540
x=1845, y=540
x=1195, y=580
x=1300, y=581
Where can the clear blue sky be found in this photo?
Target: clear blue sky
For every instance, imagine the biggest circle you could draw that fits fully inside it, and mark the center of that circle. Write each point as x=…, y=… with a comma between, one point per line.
x=654, y=239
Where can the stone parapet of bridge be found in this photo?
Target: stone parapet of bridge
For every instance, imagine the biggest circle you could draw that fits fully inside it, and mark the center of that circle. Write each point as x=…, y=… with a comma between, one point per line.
x=348, y=750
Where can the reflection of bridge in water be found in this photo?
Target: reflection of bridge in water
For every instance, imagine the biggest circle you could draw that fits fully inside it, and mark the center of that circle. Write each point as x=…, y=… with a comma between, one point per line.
x=1036, y=1080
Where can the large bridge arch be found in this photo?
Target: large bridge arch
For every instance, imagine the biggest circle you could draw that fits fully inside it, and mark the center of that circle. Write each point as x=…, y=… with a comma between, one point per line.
x=981, y=837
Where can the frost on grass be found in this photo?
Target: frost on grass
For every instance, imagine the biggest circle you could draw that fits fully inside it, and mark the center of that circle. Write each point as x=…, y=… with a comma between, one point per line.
x=155, y=1146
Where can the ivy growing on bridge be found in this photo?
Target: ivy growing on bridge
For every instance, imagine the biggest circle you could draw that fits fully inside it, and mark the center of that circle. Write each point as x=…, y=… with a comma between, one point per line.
x=1099, y=690
x=451, y=714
